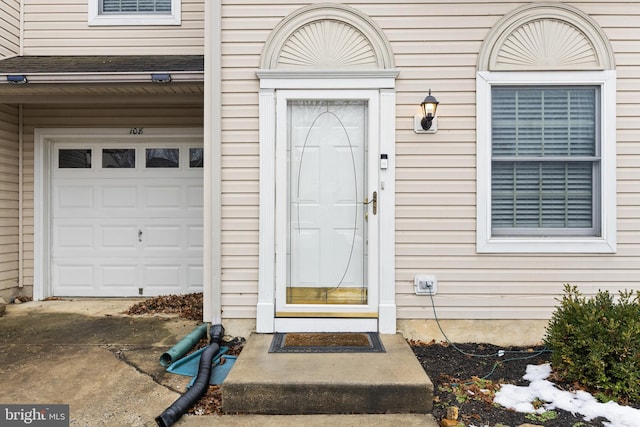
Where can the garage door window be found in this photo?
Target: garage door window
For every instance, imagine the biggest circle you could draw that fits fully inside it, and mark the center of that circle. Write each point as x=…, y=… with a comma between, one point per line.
x=196, y=157
x=74, y=159
x=119, y=158
x=163, y=157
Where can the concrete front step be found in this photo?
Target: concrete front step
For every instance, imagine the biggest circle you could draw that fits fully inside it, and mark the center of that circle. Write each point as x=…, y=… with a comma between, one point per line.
x=327, y=383
x=360, y=420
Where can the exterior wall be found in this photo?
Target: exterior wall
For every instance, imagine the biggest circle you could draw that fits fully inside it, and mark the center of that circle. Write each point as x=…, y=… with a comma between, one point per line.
x=9, y=28
x=60, y=27
x=8, y=200
x=435, y=47
x=126, y=116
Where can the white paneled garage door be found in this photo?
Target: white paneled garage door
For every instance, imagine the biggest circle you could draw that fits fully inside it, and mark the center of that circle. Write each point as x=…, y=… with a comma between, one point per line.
x=126, y=219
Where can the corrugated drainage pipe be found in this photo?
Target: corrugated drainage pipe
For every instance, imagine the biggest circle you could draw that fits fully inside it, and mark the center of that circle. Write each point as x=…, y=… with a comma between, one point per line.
x=201, y=384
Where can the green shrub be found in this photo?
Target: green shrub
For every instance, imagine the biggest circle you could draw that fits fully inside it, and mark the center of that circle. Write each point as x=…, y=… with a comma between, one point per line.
x=596, y=342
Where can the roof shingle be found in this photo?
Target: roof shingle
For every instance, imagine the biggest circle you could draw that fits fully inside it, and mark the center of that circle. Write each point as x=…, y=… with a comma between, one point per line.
x=102, y=64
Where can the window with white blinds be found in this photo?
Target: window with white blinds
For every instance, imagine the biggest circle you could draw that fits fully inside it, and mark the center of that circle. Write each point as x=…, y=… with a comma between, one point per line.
x=134, y=12
x=135, y=6
x=545, y=161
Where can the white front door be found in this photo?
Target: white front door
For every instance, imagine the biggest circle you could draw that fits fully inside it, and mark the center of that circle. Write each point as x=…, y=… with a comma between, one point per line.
x=326, y=205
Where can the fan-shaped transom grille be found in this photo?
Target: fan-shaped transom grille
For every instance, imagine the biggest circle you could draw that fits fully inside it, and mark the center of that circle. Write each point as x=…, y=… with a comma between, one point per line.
x=546, y=43
x=327, y=44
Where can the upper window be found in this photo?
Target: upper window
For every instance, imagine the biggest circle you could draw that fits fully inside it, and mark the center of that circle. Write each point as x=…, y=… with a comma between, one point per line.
x=134, y=12
x=546, y=162
x=135, y=6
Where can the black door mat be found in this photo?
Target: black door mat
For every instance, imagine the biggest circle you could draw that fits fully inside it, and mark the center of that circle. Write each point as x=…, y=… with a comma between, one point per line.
x=326, y=342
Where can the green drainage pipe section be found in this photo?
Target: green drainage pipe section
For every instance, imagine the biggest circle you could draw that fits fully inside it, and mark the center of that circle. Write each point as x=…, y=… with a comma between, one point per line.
x=185, y=344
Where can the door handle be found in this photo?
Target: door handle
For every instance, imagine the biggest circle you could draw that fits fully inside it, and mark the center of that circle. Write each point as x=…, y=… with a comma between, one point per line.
x=374, y=202
x=139, y=235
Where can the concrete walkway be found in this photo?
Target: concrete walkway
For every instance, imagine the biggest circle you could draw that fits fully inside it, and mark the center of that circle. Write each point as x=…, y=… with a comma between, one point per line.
x=360, y=420
x=86, y=353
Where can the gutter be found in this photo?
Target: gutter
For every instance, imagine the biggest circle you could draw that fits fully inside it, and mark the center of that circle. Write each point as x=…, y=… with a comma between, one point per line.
x=212, y=310
x=95, y=77
x=20, y=196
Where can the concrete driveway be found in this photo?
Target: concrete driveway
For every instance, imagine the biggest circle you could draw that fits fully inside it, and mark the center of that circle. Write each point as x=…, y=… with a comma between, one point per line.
x=104, y=364
x=87, y=354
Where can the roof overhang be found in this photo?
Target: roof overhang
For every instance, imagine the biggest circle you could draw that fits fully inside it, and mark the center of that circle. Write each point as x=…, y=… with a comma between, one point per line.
x=27, y=79
x=144, y=77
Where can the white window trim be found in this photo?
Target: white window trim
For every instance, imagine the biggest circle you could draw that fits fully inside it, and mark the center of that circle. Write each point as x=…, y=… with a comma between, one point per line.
x=95, y=19
x=485, y=242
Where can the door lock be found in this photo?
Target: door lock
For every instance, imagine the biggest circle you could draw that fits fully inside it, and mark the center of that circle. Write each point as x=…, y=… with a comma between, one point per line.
x=139, y=235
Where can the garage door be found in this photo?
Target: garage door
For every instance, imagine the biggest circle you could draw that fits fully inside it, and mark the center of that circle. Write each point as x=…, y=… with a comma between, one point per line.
x=126, y=219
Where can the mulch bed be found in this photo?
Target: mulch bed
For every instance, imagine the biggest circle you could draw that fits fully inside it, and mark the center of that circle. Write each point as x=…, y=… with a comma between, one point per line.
x=470, y=383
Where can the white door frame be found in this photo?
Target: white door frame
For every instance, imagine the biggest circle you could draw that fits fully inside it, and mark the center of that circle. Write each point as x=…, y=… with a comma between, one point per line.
x=382, y=81
x=43, y=143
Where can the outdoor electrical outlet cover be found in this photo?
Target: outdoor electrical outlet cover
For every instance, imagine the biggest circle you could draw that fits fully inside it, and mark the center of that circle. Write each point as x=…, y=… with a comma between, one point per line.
x=425, y=285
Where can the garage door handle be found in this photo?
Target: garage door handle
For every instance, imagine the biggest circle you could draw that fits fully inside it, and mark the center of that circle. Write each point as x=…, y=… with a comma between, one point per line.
x=139, y=235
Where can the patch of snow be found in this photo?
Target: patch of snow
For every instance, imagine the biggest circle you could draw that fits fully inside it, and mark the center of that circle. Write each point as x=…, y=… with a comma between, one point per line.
x=521, y=399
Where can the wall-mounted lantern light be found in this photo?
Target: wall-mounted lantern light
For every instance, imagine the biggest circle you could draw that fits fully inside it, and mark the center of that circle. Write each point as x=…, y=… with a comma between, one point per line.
x=17, y=79
x=426, y=123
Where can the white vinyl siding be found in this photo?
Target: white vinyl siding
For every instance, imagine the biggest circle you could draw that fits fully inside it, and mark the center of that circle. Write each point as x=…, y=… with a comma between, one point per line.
x=435, y=47
x=134, y=12
x=9, y=190
x=9, y=28
x=59, y=27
